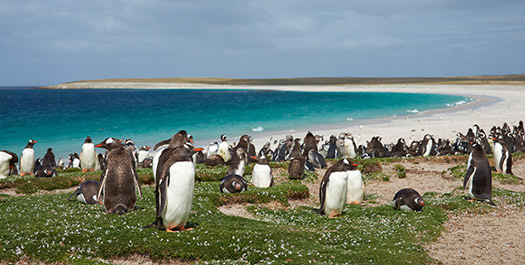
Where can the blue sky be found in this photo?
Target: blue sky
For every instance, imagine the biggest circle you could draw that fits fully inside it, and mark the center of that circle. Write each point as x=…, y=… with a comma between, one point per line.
x=44, y=42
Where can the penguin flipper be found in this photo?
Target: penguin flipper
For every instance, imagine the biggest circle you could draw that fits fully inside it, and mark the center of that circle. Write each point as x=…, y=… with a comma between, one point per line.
x=322, y=195
x=468, y=175
x=397, y=203
x=75, y=193
x=136, y=182
x=162, y=194
x=102, y=186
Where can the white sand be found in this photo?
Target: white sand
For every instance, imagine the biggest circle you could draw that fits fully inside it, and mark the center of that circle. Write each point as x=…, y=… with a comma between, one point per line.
x=495, y=104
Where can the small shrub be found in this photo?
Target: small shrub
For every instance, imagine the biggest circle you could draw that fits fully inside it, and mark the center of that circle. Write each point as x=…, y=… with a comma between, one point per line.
x=401, y=171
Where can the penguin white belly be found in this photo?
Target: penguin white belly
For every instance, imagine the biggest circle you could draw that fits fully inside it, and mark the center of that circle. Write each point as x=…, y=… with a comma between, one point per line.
x=498, y=154
x=81, y=198
x=240, y=169
x=4, y=164
x=212, y=150
x=261, y=176
x=142, y=155
x=335, y=196
x=356, y=187
x=179, y=194
x=76, y=163
x=403, y=207
x=27, y=161
x=349, y=149
x=469, y=184
x=88, y=156
x=97, y=164
x=156, y=158
x=224, y=152
x=428, y=148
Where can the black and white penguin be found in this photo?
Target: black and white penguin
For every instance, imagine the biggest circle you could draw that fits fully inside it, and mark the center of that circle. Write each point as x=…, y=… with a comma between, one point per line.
x=408, y=200
x=74, y=161
x=355, y=191
x=86, y=192
x=133, y=152
x=27, y=159
x=119, y=179
x=296, y=149
x=400, y=149
x=45, y=171
x=502, y=156
x=262, y=173
x=167, y=144
x=265, y=150
x=49, y=158
x=8, y=161
x=143, y=153
x=213, y=149
x=332, y=147
x=61, y=164
x=88, y=157
x=296, y=168
x=232, y=183
x=224, y=149
x=333, y=188
x=478, y=178
x=175, y=185
x=238, y=162
x=427, y=145
x=315, y=159
x=101, y=161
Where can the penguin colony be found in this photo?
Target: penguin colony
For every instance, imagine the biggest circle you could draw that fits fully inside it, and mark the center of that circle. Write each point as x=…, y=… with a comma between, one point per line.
x=173, y=162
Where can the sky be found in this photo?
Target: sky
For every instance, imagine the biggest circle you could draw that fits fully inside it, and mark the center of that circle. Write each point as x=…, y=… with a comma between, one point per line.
x=45, y=42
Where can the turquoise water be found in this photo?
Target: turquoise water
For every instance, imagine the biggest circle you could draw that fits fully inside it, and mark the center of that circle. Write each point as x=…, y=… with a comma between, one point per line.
x=61, y=119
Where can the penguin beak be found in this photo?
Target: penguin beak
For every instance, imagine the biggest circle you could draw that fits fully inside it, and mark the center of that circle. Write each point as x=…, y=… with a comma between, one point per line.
x=355, y=165
x=191, y=141
x=98, y=145
x=198, y=149
x=422, y=203
x=493, y=139
x=253, y=157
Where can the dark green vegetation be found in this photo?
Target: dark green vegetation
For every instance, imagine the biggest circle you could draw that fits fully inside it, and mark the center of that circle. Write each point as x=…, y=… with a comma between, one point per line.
x=502, y=79
x=51, y=229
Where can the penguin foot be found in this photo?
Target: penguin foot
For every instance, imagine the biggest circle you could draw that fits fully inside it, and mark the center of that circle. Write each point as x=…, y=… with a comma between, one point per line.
x=354, y=202
x=84, y=170
x=178, y=228
x=92, y=170
x=22, y=174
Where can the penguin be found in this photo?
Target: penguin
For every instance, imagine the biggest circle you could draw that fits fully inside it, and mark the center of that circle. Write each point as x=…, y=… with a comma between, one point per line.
x=251, y=151
x=213, y=149
x=332, y=149
x=88, y=157
x=27, y=159
x=232, y=183
x=147, y=163
x=244, y=143
x=333, y=189
x=265, y=150
x=238, y=162
x=224, y=149
x=101, y=161
x=74, y=161
x=408, y=200
x=175, y=185
x=478, y=177
x=119, y=179
x=262, y=173
x=61, y=164
x=296, y=168
x=214, y=160
x=502, y=156
x=400, y=149
x=349, y=145
x=316, y=159
x=165, y=145
x=131, y=147
x=296, y=149
x=8, y=161
x=143, y=153
x=356, y=186
x=45, y=171
x=49, y=158
x=427, y=145
x=86, y=192
x=375, y=148
x=309, y=143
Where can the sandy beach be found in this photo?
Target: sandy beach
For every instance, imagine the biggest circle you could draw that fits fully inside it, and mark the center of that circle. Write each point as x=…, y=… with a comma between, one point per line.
x=493, y=105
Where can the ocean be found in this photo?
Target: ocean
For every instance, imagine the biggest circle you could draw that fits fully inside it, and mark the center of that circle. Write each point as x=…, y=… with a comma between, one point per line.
x=61, y=119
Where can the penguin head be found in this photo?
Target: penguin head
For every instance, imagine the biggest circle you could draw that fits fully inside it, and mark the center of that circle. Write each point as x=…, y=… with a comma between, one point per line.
x=110, y=143
x=419, y=201
x=223, y=137
x=88, y=140
x=48, y=172
x=240, y=153
x=236, y=185
x=49, y=150
x=129, y=142
x=31, y=143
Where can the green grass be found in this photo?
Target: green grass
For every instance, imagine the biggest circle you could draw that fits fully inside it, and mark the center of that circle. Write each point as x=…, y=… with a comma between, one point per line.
x=506, y=178
x=457, y=172
x=400, y=171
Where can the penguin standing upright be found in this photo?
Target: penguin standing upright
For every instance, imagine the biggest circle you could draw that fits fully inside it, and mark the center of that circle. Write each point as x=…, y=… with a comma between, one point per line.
x=332, y=147
x=232, y=183
x=408, y=200
x=131, y=147
x=86, y=192
x=119, y=179
x=262, y=173
x=356, y=186
x=296, y=167
x=74, y=161
x=427, y=145
x=296, y=149
x=332, y=192
x=478, y=178
x=175, y=185
x=309, y=143
x=502, y=156
x=27, y=159
x=143, y=154
x=224, y=149
x=8, y=161
x=88, y=157
x=47, y=168
x=213, y=149
x=238, y=162
x=49, y=158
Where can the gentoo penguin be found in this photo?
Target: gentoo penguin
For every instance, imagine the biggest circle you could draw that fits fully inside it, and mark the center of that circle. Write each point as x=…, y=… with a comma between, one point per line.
x=375, y=148
x=251, y=151
x=427, y=145
x=61, y=164
x=143, y=154
x=400, y=149
x=296, y=168
x=86, y=192
x=332, y=147
x=74, y=161
x=356, y=186
x=262, y=173
x=214, y=160
x=88, y=157
x=8, y=160
x=309, y=143
x=119, y=179
x=166, y=145
x=238, y=162
x=175, y=185
x=224, y=149
x=232, y=183
x=478, y=178
x=49, y=158
x=45, y=171
x=502, y=156
x=332, y=192
x=408, y=200
x=27, y=160
x=147, y=163
x=265, y=150
x=131, y=147
x=213, y=149
x=296, y=149
x=316, y=159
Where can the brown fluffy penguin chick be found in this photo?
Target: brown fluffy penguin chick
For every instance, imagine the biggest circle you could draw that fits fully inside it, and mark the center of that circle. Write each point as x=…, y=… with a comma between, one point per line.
x=296, y=168
x=238, y=162
x=119, y=179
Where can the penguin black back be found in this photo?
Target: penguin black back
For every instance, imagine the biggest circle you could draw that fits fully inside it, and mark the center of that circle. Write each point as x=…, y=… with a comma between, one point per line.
x=49, y=158
x=478, y=177
x=408, y=199
x=233, y=183
x=309, y=143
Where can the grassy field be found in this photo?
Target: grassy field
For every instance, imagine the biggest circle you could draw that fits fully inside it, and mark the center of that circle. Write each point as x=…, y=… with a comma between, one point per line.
x=488, y=79
x=50, y=229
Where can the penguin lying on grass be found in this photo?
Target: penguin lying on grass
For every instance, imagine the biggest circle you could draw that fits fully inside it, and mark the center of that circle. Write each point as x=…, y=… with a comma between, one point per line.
x=86, y=192
x=233, y=183
x=408, y=200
